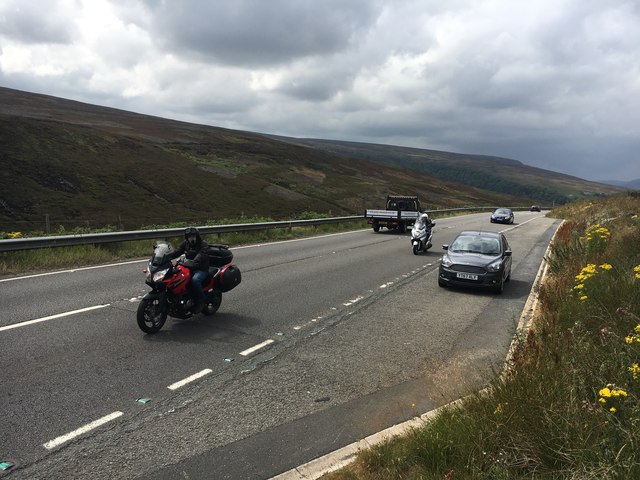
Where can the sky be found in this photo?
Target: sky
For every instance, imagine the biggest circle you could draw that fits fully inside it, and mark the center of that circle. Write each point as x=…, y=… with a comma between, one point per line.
x=554, y=84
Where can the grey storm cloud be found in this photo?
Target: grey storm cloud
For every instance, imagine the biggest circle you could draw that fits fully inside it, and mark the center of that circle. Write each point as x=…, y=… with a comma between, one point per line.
x=552, y=83
x=257, y=33
x=27, y=22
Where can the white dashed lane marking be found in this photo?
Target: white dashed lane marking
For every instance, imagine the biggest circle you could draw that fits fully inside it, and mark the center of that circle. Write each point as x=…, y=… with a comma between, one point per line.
x=80, y=431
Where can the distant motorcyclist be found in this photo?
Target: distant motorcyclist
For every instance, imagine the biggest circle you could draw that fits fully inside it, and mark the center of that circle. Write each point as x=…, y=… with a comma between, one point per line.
x=425, y=220
x=195, y=250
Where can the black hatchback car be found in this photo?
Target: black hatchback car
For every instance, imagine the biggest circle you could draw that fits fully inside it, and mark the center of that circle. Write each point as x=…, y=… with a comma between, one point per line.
x=476, y=259
x=502, y=215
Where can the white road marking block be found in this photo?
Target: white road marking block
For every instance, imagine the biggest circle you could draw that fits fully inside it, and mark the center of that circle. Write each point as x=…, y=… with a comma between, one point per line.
x=249, y=351
x=80, y=431
x=195, y=376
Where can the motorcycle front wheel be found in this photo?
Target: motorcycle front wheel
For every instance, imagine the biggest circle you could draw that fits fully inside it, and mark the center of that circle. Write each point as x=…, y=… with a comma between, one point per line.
x=212, y=301
x=151, y=315
x=416, y=249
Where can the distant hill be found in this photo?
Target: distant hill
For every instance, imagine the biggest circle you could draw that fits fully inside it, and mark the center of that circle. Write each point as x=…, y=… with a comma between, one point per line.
x=492, y=173
x=69, y=163
x=631, y=184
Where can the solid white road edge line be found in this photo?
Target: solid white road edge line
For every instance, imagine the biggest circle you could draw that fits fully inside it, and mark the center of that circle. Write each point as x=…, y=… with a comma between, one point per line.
x=195, y=376
x=71, y=270
x=76, y=433
x=299, y=239
x=249, y=351
x=52, y=317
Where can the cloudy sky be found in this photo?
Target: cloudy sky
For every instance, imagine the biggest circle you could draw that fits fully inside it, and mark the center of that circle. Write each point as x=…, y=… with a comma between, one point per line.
x=552, y=83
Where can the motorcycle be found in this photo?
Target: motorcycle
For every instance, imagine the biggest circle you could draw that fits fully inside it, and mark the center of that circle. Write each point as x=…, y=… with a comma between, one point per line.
x=170, y=293
x=421, y=234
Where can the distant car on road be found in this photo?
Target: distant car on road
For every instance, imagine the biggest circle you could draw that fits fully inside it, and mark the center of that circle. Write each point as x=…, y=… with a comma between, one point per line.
x=502, y=215
x=476, y=259
x=535, y=208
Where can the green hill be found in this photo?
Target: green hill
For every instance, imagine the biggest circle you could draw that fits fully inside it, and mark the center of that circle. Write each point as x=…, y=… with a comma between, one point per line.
x=491, y=173
x=74, y=164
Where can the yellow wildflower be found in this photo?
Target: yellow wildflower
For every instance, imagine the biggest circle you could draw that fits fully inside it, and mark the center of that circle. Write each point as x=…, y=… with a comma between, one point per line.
x=634, y=338
x=606, y=266
x=607, y=392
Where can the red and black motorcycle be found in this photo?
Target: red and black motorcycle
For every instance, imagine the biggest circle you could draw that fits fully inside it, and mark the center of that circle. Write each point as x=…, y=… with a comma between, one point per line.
x=170, y=293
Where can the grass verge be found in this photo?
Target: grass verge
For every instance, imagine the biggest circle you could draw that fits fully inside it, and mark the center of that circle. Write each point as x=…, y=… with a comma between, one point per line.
x=567, y=407
x=43, y=259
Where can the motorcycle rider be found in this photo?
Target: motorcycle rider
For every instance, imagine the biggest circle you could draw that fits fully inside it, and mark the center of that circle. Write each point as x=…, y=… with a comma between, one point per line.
x=426, y=221
x=197, y=260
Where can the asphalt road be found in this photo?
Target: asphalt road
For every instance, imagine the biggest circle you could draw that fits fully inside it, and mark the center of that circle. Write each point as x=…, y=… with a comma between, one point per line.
x=324, y=342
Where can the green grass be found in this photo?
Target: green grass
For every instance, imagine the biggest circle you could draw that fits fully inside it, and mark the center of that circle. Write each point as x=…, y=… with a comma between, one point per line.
x=567, y=407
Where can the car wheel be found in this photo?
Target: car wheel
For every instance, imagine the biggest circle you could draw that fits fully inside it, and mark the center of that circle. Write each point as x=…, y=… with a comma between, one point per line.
x=441, y=283
x=500, y=287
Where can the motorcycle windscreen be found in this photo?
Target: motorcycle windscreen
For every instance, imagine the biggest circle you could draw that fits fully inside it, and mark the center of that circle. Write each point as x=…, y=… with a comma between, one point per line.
x=421, y=222
x=161, y=251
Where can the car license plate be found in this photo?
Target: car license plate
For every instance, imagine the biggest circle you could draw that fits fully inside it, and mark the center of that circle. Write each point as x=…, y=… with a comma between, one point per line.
x=467, y=276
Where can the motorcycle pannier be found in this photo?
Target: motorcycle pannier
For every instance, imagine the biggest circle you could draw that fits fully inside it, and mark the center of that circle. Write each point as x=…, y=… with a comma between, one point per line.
x=229, y=278
x=219, y=255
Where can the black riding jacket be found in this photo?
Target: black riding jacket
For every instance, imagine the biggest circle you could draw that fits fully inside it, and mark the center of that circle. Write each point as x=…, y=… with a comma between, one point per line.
x=197, y=253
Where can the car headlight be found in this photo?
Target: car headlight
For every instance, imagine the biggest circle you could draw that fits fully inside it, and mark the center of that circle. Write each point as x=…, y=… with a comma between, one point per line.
x=446, y=261
x=159, y=275
x=494, y=266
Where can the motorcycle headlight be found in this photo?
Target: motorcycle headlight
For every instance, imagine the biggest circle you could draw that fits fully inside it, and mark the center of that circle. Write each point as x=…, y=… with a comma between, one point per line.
x=159, y=275
x=446, y=261
x=494, y=266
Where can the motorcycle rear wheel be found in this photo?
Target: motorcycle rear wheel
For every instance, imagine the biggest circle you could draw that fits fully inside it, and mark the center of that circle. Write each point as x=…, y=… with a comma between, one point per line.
x=212, y=301
x=151, y=315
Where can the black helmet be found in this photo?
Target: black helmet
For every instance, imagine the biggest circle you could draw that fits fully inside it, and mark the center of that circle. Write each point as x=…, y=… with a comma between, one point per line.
x=191, y=231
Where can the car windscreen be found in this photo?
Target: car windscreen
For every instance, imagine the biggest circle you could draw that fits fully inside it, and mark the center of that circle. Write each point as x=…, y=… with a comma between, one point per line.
x=475, y=244
x=502, y=211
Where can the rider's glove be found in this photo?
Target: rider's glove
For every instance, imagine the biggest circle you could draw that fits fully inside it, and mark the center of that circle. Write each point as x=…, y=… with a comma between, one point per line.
x=187, y=263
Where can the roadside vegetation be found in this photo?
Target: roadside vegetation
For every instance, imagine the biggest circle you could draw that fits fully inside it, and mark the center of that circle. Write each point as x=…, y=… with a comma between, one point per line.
x=566, y=405
x=23, y=261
